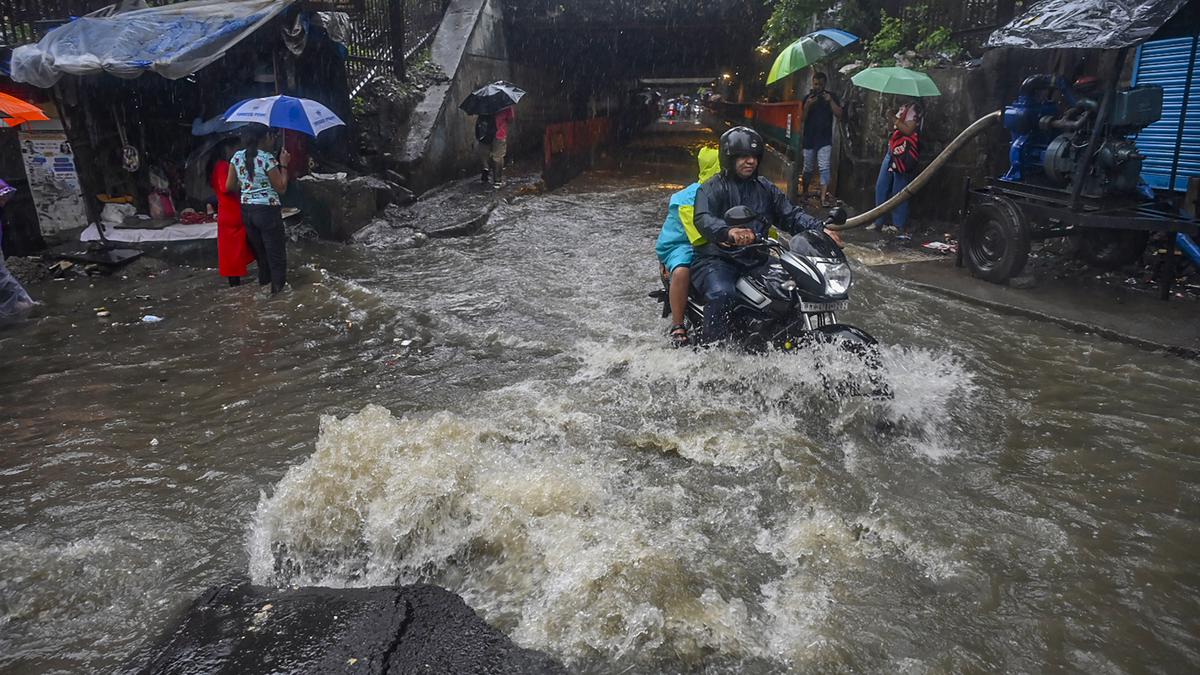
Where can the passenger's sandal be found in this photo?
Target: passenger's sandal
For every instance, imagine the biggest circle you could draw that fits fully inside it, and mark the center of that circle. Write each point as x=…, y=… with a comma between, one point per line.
x=679, y=335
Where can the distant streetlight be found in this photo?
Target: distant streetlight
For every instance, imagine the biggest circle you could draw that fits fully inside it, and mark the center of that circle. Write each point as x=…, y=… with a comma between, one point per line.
x=726, y=76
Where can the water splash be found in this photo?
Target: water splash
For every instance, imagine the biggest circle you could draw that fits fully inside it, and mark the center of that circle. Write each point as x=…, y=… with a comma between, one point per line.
x=580, y=519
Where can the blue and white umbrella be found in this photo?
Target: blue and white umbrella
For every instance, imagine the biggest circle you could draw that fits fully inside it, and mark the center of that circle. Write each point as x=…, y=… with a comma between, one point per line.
x=841, y=37
x=285, y=112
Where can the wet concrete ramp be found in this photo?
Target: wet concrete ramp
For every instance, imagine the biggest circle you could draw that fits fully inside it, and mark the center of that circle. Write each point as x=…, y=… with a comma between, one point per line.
x=248, y=630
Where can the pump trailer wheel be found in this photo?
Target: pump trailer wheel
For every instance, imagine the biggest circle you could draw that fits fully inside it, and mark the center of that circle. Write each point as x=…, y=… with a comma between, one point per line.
x=1000, y=220
x=996, y=239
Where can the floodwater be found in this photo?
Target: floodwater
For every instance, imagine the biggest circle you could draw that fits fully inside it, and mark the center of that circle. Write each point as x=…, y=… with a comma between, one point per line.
x=1026, y=503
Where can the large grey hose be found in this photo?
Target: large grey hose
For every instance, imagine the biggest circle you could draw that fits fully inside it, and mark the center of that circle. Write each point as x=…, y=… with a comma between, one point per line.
x=923, y=178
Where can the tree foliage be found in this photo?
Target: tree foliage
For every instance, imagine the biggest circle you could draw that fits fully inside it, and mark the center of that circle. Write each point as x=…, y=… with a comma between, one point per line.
x=914, y=31
x=883, y=35
x=790, y=19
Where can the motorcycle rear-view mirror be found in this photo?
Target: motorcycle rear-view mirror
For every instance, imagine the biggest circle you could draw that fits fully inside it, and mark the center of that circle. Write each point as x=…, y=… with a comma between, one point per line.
x=837, y=216
x=740, y=215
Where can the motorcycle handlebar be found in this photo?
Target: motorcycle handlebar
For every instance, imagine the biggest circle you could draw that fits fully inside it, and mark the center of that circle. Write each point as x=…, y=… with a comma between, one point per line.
x=765, y=242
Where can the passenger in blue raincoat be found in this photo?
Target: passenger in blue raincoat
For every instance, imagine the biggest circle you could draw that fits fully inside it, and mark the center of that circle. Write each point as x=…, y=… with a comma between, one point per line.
x=675, y=243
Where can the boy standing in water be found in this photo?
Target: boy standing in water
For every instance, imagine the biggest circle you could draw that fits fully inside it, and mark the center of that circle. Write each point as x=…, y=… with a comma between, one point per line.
x=675, y=243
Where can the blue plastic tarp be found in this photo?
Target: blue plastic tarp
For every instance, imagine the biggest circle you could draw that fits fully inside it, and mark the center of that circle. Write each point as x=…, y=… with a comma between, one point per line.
x=173, y=41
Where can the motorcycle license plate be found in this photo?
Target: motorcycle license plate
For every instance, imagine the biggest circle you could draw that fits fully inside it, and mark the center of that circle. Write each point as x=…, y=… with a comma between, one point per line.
x=838, y=306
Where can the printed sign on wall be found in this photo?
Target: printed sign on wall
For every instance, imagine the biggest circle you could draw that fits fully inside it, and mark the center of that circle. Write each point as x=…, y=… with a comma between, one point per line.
x=53, y=180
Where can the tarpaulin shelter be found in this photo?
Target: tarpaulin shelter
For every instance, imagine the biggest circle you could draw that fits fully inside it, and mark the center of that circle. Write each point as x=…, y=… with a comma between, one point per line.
x=1085, y=24
x=174, y=41
x=130, y=134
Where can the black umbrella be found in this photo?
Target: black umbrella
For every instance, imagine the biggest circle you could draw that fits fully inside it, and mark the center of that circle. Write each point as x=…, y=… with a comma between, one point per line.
x=492, y=98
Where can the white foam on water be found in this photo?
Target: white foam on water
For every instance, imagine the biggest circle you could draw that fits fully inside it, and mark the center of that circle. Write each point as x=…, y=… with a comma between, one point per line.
x=936, y=563
x=567, y=553
x=588, y=516
x=742, y=396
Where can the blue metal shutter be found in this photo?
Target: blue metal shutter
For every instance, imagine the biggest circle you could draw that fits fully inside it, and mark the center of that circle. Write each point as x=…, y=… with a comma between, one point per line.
x=1166, y=63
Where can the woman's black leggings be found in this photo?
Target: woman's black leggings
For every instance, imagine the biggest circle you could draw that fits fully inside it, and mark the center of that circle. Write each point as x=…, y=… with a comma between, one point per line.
x=264, y=231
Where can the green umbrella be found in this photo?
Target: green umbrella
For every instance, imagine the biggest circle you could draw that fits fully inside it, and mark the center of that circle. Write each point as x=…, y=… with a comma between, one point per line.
x=800, y=54
x=896, y=81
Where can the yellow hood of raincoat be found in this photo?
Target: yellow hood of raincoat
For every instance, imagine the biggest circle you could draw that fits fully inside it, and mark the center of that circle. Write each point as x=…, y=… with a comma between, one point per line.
x=709, y=159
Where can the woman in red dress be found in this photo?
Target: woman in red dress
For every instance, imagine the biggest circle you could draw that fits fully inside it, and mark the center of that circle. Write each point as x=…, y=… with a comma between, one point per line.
x=233, y=251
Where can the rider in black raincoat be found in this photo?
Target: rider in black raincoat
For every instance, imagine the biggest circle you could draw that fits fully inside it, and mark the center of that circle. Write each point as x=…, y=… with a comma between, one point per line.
x=719, y=262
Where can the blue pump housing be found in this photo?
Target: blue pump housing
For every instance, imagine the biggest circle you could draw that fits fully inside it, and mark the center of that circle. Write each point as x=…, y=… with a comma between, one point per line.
x=1029, y=142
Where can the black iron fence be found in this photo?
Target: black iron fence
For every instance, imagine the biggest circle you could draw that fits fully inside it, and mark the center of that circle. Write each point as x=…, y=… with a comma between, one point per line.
x=971, y=15
x=970, y=21
x=25, y=21
x=384, y=34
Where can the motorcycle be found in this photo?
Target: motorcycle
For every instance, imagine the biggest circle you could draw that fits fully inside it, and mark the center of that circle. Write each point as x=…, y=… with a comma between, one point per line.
x=792, y=300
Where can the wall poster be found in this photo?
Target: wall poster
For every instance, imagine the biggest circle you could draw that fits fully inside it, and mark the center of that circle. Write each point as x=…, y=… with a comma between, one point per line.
x=53, y=179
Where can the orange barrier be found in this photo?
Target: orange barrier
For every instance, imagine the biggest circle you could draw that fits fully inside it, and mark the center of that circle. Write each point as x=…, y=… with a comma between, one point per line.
x=779, y=123
x=567, y=147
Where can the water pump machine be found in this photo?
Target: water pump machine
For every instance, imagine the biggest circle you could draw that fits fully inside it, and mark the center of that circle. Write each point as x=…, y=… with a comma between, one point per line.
x=1051, y=138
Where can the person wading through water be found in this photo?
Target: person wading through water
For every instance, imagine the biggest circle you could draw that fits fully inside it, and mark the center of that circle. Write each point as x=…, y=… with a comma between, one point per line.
x=262, y=179
x=233, y=246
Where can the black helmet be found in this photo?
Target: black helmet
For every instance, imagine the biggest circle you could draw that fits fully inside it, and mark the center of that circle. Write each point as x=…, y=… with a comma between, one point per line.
x=738, y=142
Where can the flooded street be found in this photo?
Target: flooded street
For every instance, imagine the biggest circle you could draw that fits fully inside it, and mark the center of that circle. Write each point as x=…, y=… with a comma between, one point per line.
x=502, y=415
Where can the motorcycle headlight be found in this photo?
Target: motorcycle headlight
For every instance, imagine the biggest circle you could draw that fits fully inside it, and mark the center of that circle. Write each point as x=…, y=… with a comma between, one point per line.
x=838, y=276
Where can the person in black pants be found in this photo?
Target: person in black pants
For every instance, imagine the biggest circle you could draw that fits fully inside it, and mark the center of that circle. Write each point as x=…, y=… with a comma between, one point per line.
x=262, y=179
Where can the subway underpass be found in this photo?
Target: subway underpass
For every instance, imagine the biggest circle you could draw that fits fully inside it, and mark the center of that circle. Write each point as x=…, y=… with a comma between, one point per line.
x=501, y=415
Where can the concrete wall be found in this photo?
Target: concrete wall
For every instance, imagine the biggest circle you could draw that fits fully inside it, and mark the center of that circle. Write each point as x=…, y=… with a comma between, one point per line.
x=471, y=47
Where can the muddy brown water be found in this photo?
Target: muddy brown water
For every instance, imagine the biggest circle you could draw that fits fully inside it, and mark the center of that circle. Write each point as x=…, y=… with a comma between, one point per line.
x=501, y=415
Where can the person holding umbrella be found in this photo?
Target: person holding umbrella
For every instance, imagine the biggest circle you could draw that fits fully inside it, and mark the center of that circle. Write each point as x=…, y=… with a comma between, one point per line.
x=821, y=106
x=261, y=178
x=903, y=148
x=14, y=300
x=494, y=146
x=899, y=166
x=494, y=104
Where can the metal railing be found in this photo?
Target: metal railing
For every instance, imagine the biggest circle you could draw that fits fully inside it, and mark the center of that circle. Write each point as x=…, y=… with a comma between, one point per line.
x=969, y=21
x=387, y=33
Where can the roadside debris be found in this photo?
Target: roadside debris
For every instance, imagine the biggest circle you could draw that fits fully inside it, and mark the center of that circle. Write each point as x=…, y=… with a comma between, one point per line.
x=949, y=247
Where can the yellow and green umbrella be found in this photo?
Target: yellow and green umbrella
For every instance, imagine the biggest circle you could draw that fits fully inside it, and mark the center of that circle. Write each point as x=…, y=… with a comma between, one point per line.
x=808, y=50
